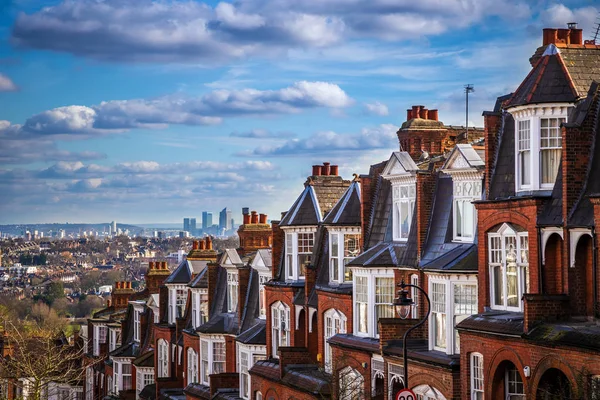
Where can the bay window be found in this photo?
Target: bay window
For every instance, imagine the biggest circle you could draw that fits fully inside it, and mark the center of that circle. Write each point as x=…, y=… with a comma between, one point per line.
x=298, y=249
x=465, y=304
x=384, y=299
x=248, y=355
x=524, y=152
x=192, y=366
x=438, y=312
x=343, y=247
x=509, y=267
x=403, y=207
x=362, y=303
x=232, y=291
x=280, y=322
x=122, y=375
x=199, y=307
x=373, y=299
x=414, y=295
x=465, y=215
x=244, y=375
x=144, y=377
x=163, y=358
x=212, y=357
x=335, y=322
x=476, y=376
x=550, y=148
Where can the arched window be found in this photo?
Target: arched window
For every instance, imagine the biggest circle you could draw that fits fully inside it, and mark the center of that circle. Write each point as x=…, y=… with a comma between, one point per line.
x=280, y=320
x=509, y=266
x=427, y=392
x=163, y=358
x=335, y=322
x=192, y=366
x=259, y=396
x=351, y=384
x=476, y=376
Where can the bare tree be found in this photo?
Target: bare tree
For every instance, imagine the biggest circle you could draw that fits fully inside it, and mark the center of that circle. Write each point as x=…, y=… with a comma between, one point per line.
x=36, y=359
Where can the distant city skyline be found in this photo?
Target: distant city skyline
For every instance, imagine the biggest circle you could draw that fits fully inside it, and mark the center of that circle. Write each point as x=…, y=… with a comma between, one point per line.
x=161, y=125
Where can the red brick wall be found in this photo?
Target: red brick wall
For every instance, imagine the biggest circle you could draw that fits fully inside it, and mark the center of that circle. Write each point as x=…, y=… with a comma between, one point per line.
x=278, y=391
x=286, y=296
x=224, y=380
x=326, y=301
x=189, y=341
x=425, y=189
x=359, y=360
x=544, y=308
x=278, y=239
x=230, y=354
x=176, y=379
x=491, y=126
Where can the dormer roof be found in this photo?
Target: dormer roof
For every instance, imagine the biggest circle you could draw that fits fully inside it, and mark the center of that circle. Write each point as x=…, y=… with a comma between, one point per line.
x=305, y=210
x=400, y=163
x=347, y=209
x=184, y=272
x=549, y=81
x=464, y=157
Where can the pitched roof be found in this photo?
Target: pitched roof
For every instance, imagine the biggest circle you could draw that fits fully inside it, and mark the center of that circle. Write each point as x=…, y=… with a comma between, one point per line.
x=400, y=162
x=305, y=210
x=184, y=272
x=502, y=181
x=347, y=209
x=548, y=82
x=464, y=156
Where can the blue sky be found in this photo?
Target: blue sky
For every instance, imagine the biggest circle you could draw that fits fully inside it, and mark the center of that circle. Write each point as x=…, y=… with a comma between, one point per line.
x=150, y=111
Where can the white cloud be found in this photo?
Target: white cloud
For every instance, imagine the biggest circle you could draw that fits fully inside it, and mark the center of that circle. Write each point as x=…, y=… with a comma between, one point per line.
x=377, y=108
x=6, y=84
x=558, y=15
x=186, y=31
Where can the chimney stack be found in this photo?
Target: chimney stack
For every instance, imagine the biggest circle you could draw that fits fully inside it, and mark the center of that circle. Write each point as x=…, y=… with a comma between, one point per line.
x=316, y=170
x=571, y=35
x=263, y=218
x=254, y=217
x=326, y=169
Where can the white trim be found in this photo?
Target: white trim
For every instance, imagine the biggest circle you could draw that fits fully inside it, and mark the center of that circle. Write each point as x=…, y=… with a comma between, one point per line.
x=574, y=236
x=371, y=276
x=334, y=316
x=545, y=235
x=278, y=339
x=473, y=392
x=204, y=371
x=339, y=233
x=408, y=184
x=311, y=312
x=291, y=234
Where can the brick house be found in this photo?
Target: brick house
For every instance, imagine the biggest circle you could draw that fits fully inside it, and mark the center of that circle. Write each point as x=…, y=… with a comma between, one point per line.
x=536, y=334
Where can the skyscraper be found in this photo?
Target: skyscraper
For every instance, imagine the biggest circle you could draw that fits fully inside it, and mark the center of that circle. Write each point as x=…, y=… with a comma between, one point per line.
x=192, y=226
x=206, y=219
x=114, y=227
x=186, y=224
x=225, y=219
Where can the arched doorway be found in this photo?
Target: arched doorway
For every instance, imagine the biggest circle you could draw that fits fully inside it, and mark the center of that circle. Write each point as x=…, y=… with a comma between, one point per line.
x=378, y=387
x=301, y=331
x=395, y=385
x=552, y=269
x=508, y=382
x=580, y=273
x=554, y=385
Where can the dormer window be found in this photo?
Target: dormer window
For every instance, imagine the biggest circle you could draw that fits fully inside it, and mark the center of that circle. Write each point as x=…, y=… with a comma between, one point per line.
x=344, y=245
x=464, y=213
x=136, y=324
x=373, y=299
x=199, y=307
x=298, y=250
x=262, y=295
x=404, y=205
x=538, y=145
x=177, y=302
x=232, y=291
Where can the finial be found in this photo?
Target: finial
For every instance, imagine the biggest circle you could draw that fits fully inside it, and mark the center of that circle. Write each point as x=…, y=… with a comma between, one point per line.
x=356, y=178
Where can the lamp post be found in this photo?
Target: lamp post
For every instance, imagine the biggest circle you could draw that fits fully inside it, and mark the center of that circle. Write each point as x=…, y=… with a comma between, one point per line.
x=403, y=304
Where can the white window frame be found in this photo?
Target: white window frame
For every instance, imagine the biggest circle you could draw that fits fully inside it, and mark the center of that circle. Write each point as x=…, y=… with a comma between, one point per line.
x=120, y=376
x=507, y=381
x=414, y=295
x=454, y=313
x=403, y=194
x=208, y=357
x=550, y=142
x=114, y=338
x=477, y=376
x=137, y=312
x=534, y=113
x=523, y=139
x=232, y=290
x=497, y=258
x=371, y=275
x=280, y=326
x=334, y=322
x=293, y=271
x=199, y=306
x=100, y=337
x=262, y=295
x=465, y=191
x=192, y=366
x=177, y=300
x=439, y=306
x=252, y=353
x=144, y=377
x=338, y=272
x=163, y=358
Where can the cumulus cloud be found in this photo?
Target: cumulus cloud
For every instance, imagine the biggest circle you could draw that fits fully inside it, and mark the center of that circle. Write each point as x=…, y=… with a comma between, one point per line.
x=262, y=134
x=121, y=115
x=381, y=137
x=188, y=31
x=377, y=108
x=558, y=15
x=6, y=84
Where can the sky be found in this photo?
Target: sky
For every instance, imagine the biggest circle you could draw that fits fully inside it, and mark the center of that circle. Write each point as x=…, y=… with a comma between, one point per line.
x=146, y=111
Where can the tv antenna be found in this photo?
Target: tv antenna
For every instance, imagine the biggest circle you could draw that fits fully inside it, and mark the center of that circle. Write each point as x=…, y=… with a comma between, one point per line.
x=597, y=30
x=469, y=88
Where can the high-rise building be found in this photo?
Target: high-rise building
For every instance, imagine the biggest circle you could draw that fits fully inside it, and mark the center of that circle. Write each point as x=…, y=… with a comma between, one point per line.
x=225, y=220
x=206, y=219
x=193, y=228
x=113, y=226
x=186, y=224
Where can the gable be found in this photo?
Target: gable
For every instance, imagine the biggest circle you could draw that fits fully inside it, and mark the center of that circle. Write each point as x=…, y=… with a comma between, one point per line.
x=400, y=163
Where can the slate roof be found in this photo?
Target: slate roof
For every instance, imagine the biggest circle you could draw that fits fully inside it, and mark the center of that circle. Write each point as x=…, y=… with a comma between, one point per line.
x=503, y=322
x=355, y=342
x=183, y=273
x=221, y=321
x=576, y=334
x=502, y=183
x=257, y=334
x=473, y=157
x=548, y=82
x=347, y=209
x=583, y=65
x=402, y=158
x=551, y=214
x=148, y=392
x=418, y=349
x=232, y=255
x=304, y=211
x=145, y=360
x=381, y=215
x=200, y=281
x=307, y=378
x=266, y=256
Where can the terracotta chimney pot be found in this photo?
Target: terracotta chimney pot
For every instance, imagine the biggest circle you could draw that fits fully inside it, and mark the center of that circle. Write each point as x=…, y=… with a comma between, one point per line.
x=254, y=217
x=334, y=170
x=195, y=245
x=423, y=113
x=326, y=170
x=409, y=115
x=246, y=219
x=416, y=111
x=263, y=218
x=316, y=170
x=208, y=243
x=433, y=115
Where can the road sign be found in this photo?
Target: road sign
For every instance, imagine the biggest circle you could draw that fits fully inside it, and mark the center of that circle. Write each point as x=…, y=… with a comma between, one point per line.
x=406, y=394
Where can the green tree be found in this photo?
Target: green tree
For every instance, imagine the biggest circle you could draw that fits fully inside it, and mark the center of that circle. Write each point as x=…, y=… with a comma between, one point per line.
x=56, y=290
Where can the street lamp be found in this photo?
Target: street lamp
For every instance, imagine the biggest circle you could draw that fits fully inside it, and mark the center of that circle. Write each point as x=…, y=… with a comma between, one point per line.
x=403, y=304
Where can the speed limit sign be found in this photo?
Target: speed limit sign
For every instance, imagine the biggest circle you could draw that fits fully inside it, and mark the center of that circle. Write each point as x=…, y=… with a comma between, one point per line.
x=406, y=394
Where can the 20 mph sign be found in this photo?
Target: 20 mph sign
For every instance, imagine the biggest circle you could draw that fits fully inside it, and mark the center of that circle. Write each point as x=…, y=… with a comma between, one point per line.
x=406, y=394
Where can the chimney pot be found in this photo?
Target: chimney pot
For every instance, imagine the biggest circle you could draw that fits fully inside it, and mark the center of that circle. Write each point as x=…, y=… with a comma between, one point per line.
x=195, y=245
x=550, y=36
x=201, y=245
x=433, y=115
x=108, y=303
x=263, y=218
x=165, y=265
x=409, y=115
x=208, y=243
x=326, y=170
x=563, y=36
x=416, y=111
x=316, y=170
x=254, y=218
x=333, y=171
x=423, y=113
x=246, y=219
x=576, y=35
x=150, y=265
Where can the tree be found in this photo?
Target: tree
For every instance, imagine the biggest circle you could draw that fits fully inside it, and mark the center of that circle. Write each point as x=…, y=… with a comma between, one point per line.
x=37, y=356
x=56, y=290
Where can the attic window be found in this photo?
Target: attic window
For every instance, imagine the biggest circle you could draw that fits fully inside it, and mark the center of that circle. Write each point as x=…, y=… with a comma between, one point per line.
x=404, y=205
x=464, y=213
x=298, y=250
x=232, y=291
x=343, y=247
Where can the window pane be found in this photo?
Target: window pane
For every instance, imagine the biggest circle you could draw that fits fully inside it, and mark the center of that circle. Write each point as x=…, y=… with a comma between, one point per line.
x=459, y=217
x=404, y=219
x=334, y=245
x=469, y=214
x=550, y=160
x=362, y=303
x=438, y=308
x=498, y=286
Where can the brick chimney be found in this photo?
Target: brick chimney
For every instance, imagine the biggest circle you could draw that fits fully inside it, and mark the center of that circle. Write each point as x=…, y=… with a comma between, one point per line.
x=158, y=271
x=278, y=242
x=121, y=293
x=255, y=233
x=563, y=37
